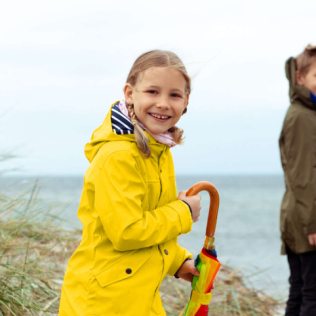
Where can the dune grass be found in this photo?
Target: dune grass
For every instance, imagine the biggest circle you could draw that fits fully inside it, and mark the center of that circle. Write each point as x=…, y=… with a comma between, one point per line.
x=33, y=251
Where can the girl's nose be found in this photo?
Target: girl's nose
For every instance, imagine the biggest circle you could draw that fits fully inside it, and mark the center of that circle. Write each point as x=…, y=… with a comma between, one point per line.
x=163, y=104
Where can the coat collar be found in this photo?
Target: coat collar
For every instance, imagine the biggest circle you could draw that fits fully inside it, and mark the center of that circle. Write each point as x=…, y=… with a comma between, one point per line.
x=297, y=92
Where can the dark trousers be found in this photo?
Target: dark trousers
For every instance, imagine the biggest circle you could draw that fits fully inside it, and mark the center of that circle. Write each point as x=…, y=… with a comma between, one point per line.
x=302, y=297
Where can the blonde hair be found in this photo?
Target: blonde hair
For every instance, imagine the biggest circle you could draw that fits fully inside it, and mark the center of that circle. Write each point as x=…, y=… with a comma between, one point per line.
x=155, y=58
x=306, y=59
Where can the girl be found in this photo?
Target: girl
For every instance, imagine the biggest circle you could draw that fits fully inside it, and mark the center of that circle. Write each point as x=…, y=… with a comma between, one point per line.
x=129, y=209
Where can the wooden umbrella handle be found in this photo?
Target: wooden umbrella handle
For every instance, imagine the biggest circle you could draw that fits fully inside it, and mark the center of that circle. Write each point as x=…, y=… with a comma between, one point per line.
x=213, y=211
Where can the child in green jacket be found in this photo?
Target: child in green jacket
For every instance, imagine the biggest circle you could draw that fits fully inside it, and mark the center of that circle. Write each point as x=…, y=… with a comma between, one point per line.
x=298, y=211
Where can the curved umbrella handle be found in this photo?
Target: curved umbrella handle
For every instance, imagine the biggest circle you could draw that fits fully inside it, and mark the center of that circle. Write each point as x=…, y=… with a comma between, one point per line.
x=214, y=205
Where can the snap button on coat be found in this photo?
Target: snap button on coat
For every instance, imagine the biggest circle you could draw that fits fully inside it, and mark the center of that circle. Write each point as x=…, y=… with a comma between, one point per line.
x=128, y=271
x=166, y=252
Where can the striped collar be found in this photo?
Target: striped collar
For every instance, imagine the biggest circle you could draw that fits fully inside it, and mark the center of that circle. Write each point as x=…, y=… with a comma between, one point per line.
x=120, y=123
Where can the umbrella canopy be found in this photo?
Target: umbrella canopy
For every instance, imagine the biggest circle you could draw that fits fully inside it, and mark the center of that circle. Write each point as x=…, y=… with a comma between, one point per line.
x=206, y=262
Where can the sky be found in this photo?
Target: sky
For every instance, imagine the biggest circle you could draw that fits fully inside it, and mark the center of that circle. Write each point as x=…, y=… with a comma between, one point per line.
x=63, y=63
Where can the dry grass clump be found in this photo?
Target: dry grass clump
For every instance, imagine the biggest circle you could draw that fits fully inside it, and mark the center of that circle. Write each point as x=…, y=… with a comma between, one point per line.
x=230, y=297
x=33, y=251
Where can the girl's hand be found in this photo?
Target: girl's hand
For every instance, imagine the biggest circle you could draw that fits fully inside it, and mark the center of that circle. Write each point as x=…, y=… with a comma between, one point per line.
x=195, y=203
x=187, y=270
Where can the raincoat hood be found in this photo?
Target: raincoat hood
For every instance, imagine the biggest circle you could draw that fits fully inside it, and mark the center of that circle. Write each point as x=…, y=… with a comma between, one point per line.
x=104, y=134
x=297, y=92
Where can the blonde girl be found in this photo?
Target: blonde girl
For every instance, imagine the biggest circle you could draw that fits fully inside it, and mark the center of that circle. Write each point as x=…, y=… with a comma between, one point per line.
x=129, y=208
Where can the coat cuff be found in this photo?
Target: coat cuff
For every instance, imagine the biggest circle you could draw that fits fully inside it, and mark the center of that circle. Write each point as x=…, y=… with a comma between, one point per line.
x=176, y=274
x=184, y=213
x=188, y=206
x=181, y=255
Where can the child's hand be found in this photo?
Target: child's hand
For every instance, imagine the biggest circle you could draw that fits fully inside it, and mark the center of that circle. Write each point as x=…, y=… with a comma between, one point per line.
x=312, y=239
x=194, y=202
x=187, y=270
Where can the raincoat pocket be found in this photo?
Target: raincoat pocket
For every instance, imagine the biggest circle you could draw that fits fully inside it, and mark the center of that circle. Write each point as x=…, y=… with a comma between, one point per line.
x=124, y=268
x=127, y=287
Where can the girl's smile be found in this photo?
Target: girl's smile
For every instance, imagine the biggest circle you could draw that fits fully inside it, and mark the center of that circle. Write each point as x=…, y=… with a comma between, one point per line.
x=159, y=117
x=159, y=97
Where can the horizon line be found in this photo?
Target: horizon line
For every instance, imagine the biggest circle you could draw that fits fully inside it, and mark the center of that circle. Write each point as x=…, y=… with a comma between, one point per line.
x=32, y=175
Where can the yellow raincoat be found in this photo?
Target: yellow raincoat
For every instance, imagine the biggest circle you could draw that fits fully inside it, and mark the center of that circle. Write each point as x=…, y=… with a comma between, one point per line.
x=131, y=219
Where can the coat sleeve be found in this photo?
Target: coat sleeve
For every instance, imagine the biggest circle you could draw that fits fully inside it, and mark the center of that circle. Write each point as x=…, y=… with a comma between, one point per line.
x=119, y=192
x=181, y=255
x=300, y=149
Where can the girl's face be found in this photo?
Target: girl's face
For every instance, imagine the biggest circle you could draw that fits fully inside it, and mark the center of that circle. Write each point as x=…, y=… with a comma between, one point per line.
x=159, y=98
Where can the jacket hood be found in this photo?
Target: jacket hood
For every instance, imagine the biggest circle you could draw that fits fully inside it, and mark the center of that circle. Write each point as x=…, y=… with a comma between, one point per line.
x=297, y=92
x=104, y=134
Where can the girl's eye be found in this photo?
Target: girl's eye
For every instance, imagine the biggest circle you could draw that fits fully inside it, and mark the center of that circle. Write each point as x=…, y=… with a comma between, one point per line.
x=176, y=95
x=152, y=91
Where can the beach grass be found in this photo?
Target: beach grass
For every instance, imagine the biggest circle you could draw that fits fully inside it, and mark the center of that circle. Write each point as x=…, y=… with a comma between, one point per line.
x=34, y=251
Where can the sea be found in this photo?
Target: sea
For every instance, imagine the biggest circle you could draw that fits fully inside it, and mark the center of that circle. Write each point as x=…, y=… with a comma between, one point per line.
x=247, y=234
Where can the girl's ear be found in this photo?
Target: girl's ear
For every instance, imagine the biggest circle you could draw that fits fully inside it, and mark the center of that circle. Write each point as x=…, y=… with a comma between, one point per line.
x=186, y=99
x=128, y=93
x=299, y=79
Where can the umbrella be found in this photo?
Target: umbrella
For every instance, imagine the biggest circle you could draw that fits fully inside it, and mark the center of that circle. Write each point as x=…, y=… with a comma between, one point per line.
x=206, y=261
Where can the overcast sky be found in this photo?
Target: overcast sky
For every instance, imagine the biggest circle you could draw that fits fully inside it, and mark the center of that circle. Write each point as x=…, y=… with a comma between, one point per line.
x=63, y=63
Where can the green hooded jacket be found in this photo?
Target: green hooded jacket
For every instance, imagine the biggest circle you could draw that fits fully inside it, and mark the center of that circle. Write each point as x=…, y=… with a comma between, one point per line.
x=298, y=156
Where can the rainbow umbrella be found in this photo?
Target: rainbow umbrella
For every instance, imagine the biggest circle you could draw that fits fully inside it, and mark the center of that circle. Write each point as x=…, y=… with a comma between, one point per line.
x=206, y=261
